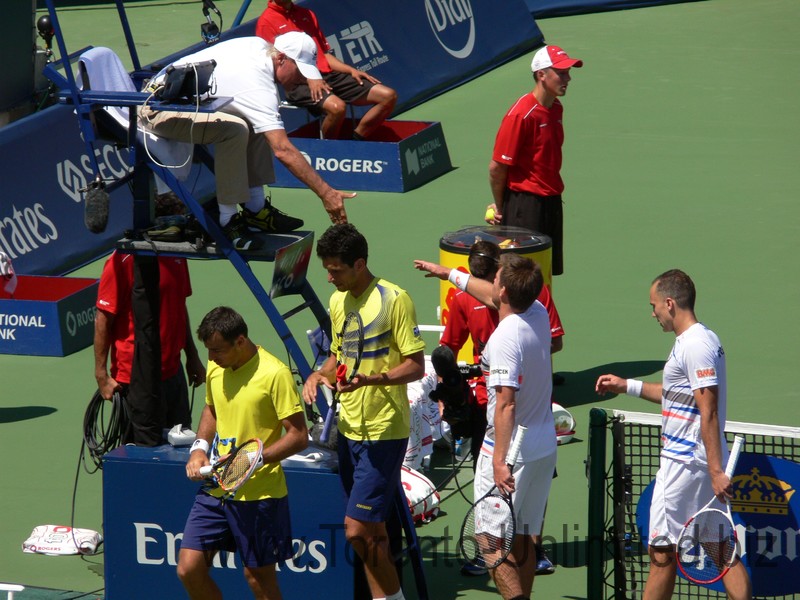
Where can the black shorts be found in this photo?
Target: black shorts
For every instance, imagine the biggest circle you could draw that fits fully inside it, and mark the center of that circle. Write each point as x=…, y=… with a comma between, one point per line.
x=543, y=214
x=344, y=86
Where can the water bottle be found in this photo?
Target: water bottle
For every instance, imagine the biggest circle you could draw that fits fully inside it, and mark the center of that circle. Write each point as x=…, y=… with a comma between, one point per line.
x=462, y=447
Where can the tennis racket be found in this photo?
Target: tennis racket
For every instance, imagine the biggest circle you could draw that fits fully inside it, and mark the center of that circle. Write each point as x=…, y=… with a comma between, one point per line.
x=351, y=347
x=489, y=526
x=707, y=545
x=232, y=470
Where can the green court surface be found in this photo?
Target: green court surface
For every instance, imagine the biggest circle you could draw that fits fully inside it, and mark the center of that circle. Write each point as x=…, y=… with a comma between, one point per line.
x=681, y=151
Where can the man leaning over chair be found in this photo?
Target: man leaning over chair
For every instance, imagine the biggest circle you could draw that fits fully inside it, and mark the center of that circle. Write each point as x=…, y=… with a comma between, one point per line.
x=249, y=130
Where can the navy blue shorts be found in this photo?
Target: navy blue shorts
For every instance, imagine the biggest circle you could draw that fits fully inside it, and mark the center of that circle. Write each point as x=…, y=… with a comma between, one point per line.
x=258, y=529
x=370, y=474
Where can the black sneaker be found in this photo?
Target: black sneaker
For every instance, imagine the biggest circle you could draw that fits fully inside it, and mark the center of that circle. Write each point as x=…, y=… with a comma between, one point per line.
x=167, y=229
x=471, y=570
x=170, y=233
x=239, y=234
x=194, y=233
x=544, y=566
x=271, y=220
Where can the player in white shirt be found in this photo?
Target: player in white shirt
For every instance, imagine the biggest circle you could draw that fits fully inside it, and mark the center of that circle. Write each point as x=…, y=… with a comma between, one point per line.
x=693, y=398
x=247, y=132
x=519, y=383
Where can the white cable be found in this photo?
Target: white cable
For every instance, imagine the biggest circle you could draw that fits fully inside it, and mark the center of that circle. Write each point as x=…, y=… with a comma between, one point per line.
x=191, y=127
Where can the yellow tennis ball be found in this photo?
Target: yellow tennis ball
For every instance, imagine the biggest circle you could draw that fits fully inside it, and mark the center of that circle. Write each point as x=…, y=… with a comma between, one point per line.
x=489, y=216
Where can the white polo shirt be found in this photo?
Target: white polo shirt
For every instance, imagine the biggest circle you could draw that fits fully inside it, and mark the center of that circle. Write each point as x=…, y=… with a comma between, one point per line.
x=518, y=356
x=245, y=73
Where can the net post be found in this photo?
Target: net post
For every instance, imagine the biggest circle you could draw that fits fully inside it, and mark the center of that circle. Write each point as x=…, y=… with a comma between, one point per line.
x=621, y=486
x=596, y=473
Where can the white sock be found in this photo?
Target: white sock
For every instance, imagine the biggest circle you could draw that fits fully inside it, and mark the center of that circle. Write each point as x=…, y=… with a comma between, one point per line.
x=256, y=202
x=227, y=212
x=397, y=596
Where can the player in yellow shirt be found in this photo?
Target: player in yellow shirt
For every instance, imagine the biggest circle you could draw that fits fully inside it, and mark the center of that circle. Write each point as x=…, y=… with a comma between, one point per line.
x=249, y=394
x=374, y=411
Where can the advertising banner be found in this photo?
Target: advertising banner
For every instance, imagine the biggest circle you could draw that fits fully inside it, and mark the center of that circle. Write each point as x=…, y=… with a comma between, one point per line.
x=425, y=47
x=766, y=510
x=291, y=266
x=147, y=497
x=403, y=155
x=48, y=316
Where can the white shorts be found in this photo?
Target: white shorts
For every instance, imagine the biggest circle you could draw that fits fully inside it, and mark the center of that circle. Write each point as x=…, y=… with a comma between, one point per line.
x=532, y=486
x=679, y=492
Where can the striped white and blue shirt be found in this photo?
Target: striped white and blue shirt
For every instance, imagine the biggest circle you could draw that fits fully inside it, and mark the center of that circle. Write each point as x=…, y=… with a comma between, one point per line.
x=697, y=361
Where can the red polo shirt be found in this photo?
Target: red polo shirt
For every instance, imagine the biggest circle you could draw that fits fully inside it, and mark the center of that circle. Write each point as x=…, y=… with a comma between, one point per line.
x=529, y=141
x=275, y=21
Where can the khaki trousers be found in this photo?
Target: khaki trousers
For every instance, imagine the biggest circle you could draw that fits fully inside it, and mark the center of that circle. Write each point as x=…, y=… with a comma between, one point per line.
x=242, y=159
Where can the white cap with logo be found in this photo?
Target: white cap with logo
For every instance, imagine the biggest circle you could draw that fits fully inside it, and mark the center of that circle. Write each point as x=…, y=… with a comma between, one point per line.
x=302, y=50
x=553, y=56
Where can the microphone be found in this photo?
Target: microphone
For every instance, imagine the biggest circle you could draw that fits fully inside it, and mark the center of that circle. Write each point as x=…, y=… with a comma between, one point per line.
x=209, y=30
x=209, y=5
x=46, y=30
x=95, y=208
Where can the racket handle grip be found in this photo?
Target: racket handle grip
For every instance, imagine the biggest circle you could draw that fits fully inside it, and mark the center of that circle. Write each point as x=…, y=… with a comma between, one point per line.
x=326, y=428
x=513, y=451
x=206, y=471
x=738, y=442
x=341, y=373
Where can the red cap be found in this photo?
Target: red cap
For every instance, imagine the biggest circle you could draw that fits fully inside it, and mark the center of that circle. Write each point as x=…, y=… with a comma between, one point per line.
x=553, y=56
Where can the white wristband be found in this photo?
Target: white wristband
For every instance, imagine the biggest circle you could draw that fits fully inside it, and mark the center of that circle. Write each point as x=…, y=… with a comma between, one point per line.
x=635, y=387
x=458, y=279
x=199, y=444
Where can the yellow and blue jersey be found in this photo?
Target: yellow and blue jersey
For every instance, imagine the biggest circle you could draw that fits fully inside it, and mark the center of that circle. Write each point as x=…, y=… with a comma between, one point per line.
x=251, y=402
x=390, y=333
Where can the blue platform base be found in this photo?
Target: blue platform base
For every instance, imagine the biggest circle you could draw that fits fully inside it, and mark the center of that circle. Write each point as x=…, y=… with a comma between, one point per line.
x=400, y=156
x=47, y=316
x=147, y=497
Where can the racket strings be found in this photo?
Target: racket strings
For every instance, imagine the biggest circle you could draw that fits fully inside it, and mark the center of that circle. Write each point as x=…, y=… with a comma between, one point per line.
x=488, y=531
x=351, y=344
x=708, y=546
x=238, y=467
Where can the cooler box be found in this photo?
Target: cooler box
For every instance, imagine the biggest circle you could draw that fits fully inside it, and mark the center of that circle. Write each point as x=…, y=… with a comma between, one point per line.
x=147, y=497
x=400, y=156
x=47, y=316
x=454, y=253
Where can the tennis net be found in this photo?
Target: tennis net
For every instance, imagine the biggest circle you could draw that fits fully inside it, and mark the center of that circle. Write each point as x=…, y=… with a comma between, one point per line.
x=618, y=560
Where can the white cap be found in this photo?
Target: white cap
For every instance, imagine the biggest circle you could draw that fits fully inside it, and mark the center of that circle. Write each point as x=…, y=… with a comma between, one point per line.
x=7, y=275
x=302, y=50
x=553, y=56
